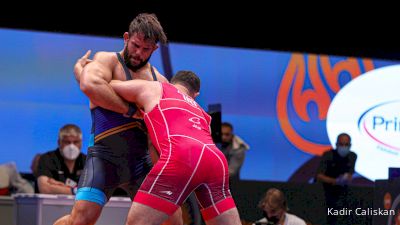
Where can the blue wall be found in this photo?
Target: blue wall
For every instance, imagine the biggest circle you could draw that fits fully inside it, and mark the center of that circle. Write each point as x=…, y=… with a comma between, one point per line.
x=38, y=94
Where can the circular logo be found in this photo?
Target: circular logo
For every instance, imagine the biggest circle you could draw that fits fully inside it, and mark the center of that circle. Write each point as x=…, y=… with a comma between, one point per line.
x=368, y=109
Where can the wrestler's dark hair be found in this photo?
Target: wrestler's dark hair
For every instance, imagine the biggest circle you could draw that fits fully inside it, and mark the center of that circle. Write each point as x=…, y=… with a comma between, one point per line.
x=148, y=25
x=188, y=79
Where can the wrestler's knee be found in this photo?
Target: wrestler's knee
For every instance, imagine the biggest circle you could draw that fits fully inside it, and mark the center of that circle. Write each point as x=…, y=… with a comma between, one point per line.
x=84, y=215
x=63, y=220
x=175, y=219
x=134, y=219
x=152, y=216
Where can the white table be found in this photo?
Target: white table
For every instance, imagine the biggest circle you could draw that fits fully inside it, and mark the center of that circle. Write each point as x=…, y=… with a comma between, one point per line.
x=44, y=209
x=6, y=210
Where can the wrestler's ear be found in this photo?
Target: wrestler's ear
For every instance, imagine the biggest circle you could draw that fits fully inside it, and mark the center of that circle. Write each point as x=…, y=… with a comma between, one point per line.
x=196, y=94
x=126, y=37
x=155, y=47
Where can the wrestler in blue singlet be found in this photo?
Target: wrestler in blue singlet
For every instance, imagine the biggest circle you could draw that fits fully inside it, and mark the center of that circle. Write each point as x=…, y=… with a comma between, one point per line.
x=117, y=156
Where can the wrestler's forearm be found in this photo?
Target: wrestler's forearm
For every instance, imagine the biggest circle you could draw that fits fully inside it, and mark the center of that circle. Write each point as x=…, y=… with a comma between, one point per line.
x=77, y=72
x=128, y=90
x=100, y=92
x=104, y=96
x=80, y=63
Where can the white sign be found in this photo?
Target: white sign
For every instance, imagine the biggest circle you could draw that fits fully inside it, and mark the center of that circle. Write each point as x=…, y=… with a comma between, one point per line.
x=368, y=109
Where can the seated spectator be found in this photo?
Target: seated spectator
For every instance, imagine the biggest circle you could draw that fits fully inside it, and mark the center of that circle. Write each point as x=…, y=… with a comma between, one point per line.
x=234, y=149
x=11, y=181
x=275, y=209
x=59, y=170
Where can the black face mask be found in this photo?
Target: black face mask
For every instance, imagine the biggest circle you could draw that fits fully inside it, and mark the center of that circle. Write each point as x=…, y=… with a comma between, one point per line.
x=273, y=220
x=225, y=144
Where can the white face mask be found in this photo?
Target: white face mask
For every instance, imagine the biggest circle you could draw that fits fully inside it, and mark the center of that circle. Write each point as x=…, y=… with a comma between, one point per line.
x=343, y=150
x=70, y=152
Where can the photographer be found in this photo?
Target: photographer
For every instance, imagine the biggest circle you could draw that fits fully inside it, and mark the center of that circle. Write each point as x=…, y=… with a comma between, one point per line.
x=275, y=210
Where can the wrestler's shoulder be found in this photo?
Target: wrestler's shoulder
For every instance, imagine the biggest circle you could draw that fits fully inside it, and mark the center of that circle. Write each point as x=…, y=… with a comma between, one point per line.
x=106, y=58
x=105, y=55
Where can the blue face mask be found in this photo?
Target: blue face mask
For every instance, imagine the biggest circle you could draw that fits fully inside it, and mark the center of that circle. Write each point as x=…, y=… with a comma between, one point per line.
x=343, y=150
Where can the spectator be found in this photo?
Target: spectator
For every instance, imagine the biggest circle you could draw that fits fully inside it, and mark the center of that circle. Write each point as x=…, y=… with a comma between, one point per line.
x=234, y=149
x=11, y=181
x=59, y=170
x=335, y=172
x=35, y=164
x=275, y=209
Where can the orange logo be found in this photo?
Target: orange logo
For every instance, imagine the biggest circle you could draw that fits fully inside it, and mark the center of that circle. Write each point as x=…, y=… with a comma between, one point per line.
x=387, y=201
x=324, y=78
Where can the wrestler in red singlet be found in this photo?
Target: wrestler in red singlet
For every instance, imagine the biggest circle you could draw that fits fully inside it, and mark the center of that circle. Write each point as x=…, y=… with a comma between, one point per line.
x=189, y=160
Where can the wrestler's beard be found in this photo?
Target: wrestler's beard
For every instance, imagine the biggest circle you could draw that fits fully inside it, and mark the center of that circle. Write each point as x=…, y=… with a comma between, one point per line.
x=128, y=62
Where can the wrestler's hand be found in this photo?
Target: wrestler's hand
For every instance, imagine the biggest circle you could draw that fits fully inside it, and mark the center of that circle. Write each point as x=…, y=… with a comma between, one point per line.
x=80, y=64
x=138, y=115
x=342, y=180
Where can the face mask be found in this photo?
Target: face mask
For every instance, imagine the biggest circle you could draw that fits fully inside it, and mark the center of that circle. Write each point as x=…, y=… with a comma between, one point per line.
x=225, y=144
x=70, y=152
x=343, y=150
x=273, y=220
